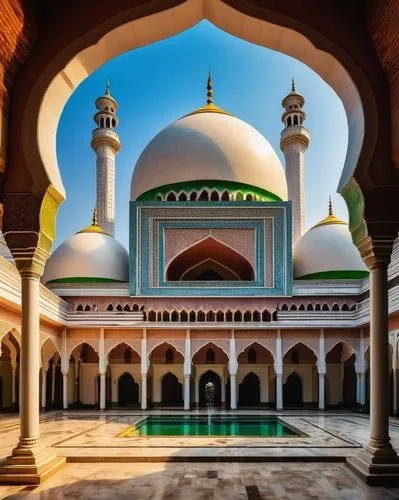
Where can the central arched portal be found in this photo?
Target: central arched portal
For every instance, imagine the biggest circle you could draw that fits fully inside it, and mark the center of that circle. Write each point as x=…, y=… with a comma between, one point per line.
x=210, y=377
x=128, y=390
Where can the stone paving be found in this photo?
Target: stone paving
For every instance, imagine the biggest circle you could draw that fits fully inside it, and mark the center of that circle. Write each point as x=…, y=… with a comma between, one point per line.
x=255, y=469
x=201, y=482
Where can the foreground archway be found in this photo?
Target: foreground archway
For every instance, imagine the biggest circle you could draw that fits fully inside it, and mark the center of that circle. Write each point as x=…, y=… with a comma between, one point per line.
x=210, y=377
x=128, y=390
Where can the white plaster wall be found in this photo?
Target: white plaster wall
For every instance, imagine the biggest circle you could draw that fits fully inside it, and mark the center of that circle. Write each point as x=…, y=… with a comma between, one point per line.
x=88, y=386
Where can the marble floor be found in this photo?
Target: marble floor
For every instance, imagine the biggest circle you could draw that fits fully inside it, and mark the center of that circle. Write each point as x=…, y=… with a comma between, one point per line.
x=173, y=481
x=193, y=467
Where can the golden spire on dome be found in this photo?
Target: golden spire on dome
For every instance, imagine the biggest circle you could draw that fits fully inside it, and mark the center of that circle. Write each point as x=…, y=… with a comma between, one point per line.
x=94, y=228
x=94, y=220
x=330, y=219
x=293, y=86
x=107, y=88
x=209, y=88
x=210, y=107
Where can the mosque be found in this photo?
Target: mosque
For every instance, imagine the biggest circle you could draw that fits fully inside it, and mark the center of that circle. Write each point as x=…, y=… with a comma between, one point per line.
x=221, y=283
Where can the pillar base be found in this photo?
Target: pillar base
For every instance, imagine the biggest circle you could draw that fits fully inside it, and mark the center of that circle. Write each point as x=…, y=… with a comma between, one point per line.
x=376, y=466
x=29, y=465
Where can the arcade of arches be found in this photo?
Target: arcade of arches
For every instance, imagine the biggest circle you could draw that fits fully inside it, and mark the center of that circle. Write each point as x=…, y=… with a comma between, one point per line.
x=166, y=380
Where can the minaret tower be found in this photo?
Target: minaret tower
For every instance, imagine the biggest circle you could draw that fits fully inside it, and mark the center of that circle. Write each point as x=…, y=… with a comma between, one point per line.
x=105, y=142
x=293, y=143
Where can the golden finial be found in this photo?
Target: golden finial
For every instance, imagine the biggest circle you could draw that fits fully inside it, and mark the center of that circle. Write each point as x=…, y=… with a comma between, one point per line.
x=293, y=86
x=107, y=90
x=209, y=86
x=95, y=220
x=330, y=208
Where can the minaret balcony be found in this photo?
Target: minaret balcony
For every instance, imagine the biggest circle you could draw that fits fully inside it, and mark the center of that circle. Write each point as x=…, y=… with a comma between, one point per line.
x=294, y=133
x=101, y=135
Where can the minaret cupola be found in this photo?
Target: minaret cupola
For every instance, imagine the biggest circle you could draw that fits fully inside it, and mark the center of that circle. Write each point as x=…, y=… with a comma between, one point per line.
x=105, y=142
x=293, y=143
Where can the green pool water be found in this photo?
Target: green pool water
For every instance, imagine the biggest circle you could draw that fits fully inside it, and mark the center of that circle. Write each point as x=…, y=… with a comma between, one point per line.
x=219, y=426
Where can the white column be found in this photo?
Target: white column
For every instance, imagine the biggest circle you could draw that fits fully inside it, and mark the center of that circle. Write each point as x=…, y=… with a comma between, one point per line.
x=187, y=379
x=322, y=370
x=358, y=395
x=233, y=367
x=187, y=370
x=102, y=369
x=143, y=391
x=233, y=391
x=102, y=391
x=44, y=386
x=144, y=370
x=321, y=391
x=363, y=389
x=65, y=391
x=278, y=368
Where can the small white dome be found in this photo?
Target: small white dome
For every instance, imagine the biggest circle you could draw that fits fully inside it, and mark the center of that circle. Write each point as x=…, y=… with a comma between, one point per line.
x=209, y=144
x=327, y=251
x=88, y=256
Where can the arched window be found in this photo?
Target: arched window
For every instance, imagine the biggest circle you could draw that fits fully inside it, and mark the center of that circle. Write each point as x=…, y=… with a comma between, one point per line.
x=293, y=307
x=171, y=197
x=135, y=307
x=193, y=196
x=210, y=316
x=345, y=307
x=184, y=316
x=113, y=122
x=325, y=307
x=294, y=356
x=335, y=307
x=210, y=357
x=182, y=197
x=229, y=316
x=165, y=316
x=247, y=316
x=309, y=307
x=214, y=196
x=265, y=315
x=317, y=307
x=256, y=316
x=295, y=120
x=174, y=316
x=119, y=307
x=200, y=316
x=249, y=197
x=192, y=317
x=87, y=308
x=239, y=197
x=204, y=196
x=301, y=307
x=289, y=122
x=79, y=308
x=158, y=197
x=169, y=357
x=110, y=307
x=252, y=356
x=237, y=316
x=284, y=307
x=126, y=308
x=220, y=316
x=127, y=355
x=225, y=196
x=152, y=316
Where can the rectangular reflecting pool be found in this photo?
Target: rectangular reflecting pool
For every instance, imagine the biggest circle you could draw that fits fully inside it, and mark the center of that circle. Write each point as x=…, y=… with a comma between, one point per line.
x=201, y=425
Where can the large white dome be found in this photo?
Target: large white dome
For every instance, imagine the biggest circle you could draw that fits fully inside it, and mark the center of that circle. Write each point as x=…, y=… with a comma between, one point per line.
x=90, y=255
x=327, y=251
x=209, y=145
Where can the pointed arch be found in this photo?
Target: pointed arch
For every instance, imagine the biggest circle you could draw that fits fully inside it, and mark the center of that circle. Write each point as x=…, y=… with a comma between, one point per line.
x=122, y=345
x=210, y=345
x=263, y=354
x=212, y=254
x=301, y=345
x=166, y=345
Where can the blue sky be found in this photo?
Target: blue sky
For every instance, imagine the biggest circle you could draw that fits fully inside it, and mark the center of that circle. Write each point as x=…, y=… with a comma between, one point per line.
x=159, y=83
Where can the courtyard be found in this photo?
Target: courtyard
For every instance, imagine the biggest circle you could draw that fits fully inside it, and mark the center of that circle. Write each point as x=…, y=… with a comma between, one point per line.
x=102, y=463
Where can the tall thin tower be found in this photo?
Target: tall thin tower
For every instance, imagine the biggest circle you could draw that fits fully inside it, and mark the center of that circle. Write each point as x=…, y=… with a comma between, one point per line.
x=293, y=143
x=105, y=142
